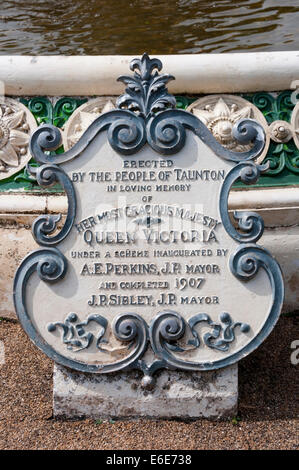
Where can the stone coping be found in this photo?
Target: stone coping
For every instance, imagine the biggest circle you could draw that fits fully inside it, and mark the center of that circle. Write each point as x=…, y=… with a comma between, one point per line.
x=194, y=73
x=278, y=206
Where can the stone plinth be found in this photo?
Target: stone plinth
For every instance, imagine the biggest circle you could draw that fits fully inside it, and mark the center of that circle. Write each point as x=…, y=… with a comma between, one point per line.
x=182, y=395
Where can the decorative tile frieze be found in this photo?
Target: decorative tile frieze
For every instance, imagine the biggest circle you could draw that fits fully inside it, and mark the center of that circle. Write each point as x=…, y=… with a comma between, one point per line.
x=83, y=117
x=281, y=131
x=54, y=111
x=220, y=112
x=16, y=125
x=43, y=110
x=295, y=124
x=275, y=111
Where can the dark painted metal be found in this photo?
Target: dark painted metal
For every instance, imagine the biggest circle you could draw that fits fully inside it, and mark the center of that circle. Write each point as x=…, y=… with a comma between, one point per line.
x=146, y=92
x=169, y=327
x=47, y=175
x=146, y=115
x=166, y=134
x=251, y=223
x=51, y=266
x=74, y=334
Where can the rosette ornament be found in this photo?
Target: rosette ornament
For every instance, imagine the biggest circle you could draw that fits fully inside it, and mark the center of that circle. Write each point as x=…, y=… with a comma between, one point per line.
x=13, y=139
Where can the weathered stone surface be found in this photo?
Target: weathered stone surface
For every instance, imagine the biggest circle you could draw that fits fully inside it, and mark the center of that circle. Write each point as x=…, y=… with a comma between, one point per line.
x=15, y=242
x=177, y=394
x=220, y=112
x=195, y=73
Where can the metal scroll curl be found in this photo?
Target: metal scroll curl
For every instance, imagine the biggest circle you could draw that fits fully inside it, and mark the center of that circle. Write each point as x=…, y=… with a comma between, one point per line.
x=51, y=266
x=168, y=327
x=251, y=224
x=73, y=331
x=146, y=114
x=126, y=135
x=244, y=265
x=42, y=227
x=166, y=134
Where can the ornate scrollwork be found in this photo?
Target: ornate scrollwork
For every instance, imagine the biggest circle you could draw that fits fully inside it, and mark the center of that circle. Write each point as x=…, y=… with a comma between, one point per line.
x=166, y=134
x=168, y=327
x=244, y=265
x=146, y=91
x=45, y=225
x=251, y=224
x=74, y=334
x=46, y=138
x=51, y=265
x=165, y=330
x=146, y=114
x=126, y=136
x=223, y=333
x=131, y=327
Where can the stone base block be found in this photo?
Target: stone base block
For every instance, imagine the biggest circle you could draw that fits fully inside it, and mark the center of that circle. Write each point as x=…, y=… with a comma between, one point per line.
x=185, y=395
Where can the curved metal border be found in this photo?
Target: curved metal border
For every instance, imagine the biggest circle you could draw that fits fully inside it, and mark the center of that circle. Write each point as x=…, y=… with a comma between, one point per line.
x=164, y=132
x=145, y=116
x=165, y=330
x=51, y=266
x=44, y=225
x=251, y=224
x=168, y=327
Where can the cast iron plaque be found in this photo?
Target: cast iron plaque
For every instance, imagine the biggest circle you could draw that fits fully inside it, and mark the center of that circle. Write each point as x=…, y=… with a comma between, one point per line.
x=149, y=271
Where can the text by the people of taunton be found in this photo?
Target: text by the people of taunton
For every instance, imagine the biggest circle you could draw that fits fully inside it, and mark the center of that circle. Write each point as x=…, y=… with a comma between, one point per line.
x=148, y=176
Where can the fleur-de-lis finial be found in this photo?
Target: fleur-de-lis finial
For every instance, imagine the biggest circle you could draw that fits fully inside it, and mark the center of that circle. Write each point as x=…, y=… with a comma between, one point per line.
x=145, y=65
x=146, y=92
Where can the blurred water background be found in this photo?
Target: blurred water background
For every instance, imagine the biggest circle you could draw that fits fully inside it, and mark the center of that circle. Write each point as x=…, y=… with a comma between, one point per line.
x=155, y=26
